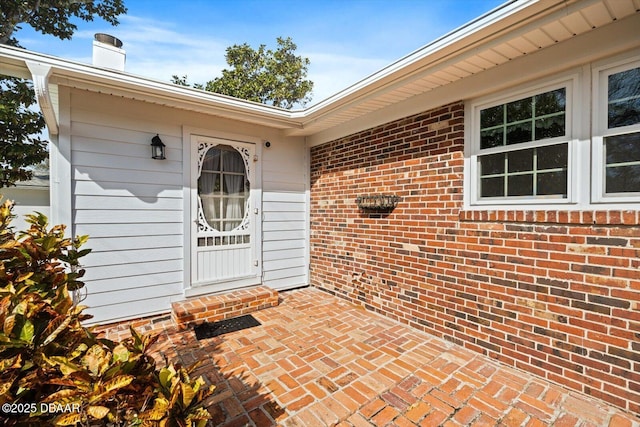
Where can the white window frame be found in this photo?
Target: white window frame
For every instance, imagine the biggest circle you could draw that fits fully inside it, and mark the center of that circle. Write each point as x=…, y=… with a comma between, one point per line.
x=601, y=130
x=571, y=85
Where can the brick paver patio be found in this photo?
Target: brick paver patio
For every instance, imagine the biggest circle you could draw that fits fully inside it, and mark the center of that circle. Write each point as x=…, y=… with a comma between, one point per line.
x=317, y=360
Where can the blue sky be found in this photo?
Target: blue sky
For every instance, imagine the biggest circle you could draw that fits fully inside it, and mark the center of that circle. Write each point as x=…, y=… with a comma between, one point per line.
x=345, y=40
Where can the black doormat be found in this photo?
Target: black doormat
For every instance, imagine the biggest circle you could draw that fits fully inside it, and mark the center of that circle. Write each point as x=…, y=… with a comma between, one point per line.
x=213, y=329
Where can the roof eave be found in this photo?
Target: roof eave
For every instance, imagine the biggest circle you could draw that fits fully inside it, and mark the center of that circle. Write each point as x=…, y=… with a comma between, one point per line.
x=463, y=38
x=88, y=77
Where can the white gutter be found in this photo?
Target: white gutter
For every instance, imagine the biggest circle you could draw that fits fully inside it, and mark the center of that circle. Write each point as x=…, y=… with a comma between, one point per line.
x=406, y=66
x=49, y=69
x=40, y=74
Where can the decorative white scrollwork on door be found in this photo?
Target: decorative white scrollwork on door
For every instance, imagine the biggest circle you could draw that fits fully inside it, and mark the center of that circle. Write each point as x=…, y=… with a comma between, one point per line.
x=223, y=194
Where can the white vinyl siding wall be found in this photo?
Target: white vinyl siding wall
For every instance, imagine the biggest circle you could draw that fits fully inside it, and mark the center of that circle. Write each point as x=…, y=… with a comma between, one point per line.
x=284, y=213
x=130, y=206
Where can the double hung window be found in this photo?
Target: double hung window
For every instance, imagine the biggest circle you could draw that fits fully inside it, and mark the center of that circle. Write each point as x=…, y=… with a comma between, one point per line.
x=570, y=142
x=521, y=148
x=526, y=152
x=617, y=142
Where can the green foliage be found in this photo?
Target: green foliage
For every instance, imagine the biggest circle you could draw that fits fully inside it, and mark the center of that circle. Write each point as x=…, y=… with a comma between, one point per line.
x=48, y=357
x=54, y=16
x=20, y=145
x=21, y=126
x=270, y=77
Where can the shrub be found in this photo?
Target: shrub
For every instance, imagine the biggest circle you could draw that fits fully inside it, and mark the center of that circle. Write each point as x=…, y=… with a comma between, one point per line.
x=54, y=371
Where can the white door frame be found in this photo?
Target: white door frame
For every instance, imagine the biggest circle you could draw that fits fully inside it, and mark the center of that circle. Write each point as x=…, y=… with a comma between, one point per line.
x=190, y=138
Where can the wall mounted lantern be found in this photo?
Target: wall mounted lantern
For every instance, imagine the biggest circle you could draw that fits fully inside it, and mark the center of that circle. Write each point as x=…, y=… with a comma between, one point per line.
x=157, y=148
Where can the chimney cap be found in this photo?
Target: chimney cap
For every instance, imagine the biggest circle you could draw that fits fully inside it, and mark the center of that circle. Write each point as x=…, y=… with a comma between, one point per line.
x=108, y=39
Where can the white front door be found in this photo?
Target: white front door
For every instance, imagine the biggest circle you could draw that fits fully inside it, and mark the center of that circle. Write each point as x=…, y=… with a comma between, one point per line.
x=225, y=239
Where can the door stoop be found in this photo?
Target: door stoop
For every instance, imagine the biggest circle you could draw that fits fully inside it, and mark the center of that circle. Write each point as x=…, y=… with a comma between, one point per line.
x=211, y=308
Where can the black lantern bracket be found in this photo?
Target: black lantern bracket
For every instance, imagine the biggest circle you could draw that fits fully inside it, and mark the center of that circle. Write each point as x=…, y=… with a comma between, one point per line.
x=378, y=202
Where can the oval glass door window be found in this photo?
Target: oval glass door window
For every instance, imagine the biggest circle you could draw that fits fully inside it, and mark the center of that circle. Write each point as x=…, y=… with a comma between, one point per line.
x=223, y=188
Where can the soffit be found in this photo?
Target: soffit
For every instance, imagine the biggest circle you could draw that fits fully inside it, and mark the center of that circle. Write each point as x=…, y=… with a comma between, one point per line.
x=514, y=36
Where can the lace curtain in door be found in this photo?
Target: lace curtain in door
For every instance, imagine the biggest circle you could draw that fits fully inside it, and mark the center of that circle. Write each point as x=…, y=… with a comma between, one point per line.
x=223, y=188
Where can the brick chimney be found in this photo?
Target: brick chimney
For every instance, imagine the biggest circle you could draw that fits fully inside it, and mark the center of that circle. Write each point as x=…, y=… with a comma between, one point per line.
x=108, y=52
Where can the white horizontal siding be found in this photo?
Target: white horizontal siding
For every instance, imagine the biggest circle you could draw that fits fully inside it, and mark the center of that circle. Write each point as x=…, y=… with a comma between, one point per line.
x=89, y=188
x=117, y=258
x=108, y=244
x=130, y=205
x=103, y=313
x=102, y=286
x=134, y=292
x=132, y=269
x=98, y=230
x=111, y=203
x=284, y=226
x=128, y=216
x=113, y=177
x=275, y=255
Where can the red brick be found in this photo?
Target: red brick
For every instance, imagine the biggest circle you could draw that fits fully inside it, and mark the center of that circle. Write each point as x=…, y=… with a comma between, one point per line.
x=385, y=416
x=422, y=263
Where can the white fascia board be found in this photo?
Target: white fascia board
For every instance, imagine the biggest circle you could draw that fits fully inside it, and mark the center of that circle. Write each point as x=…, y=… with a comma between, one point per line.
x=84, y=76
x=451, y=44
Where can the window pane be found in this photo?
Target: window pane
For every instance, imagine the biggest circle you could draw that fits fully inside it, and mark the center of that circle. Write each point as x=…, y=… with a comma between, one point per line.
x=550, y=127
x=520, y=185
x=552, y=183
x=492, y=187
x=539, y=171
x=208, y=183
x=519, y=110
x=529, y=119
x=493, y=116
x=552, y=157
x=233, y=208
x=518, y=133
x=492, y=164
x=233, y=184
x=624, y=98
x=623, y=179
x=623, y=163
x=230, y=225
x=232, y=162
x=550, y=102
x=211, y=209
x=624, y=113
x=521, y=160
x=623, y=148
x=491, y=138
x=211, y=161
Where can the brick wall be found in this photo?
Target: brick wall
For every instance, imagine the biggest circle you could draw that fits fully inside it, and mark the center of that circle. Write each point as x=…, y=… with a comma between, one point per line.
x=553, y=293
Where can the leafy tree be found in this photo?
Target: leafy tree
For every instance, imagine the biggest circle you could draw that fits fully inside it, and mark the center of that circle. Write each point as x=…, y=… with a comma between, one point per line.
x=275, y=78
x=53, y=17
x=20, y=127
x=20, y=145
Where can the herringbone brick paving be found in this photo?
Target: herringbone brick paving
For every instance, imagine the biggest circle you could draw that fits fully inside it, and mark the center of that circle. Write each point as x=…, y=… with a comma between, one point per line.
x=317, y=360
